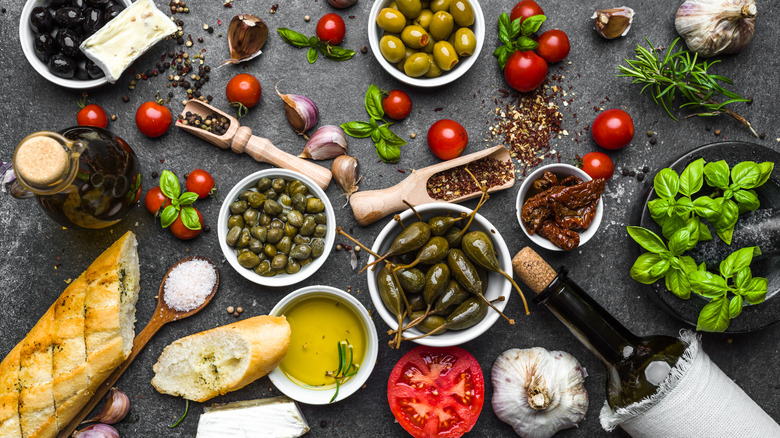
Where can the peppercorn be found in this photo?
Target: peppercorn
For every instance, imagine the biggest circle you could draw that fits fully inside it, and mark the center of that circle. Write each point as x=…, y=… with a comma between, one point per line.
x=640, y=176
x=125, y=99
x=154, y=174
x=646, y=169
x=363, y=49
x=717, y=132
x=235, y=314
x=338, y=247
x=632, y=174
x=762, y=135
x=113, y=117
x=179, y=40
x=624, y=171
x=206, y=228
x=200, y=39
x=650, y=133
x=323, y=423
x=306, y=18
x=240, y=309
x=230, y=309
x=653, y=140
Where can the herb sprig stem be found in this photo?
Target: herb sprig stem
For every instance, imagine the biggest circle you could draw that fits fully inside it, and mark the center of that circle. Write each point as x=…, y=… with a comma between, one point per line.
x=346, y=369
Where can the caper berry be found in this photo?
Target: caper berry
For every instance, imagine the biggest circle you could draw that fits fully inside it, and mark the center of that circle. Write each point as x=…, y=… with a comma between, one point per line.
x=317, y=247
x=278, y=185
x=233, y=235
x=308, y=226
x=284, y=245
x=293, y=267
x=272, y=207
x=259, y=232
x=236, y=221
x=320, y=231
x=238, y=207
x=255, y=199
x=279, y=261
x=251, y=217
x=275, y=235
x=295, y=218
x=248, y=260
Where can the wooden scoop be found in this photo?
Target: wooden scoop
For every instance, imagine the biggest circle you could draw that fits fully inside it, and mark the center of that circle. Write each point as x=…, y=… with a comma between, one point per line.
x=368, y=207
x=240, y=139
x=162, y=315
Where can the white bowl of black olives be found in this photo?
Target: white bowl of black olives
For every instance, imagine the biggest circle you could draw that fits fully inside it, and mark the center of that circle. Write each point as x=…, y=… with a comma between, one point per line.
x=52, y=30
x=276, y=227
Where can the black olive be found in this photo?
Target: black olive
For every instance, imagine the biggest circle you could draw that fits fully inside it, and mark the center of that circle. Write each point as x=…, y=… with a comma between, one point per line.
x=93, y=20
x=81, y=4
x=69, y=17
x=69, y=43
x=45, y=46
x=98, y=3
x=41, y=20
x=62, y=66
x=81, y=72
x=112, y=11
x=58, y=3
x=93, y=70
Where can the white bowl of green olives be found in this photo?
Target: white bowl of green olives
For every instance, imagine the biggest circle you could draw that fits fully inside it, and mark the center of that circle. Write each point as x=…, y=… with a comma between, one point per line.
x=276, y=227
x=426, y=43
x=447, y=305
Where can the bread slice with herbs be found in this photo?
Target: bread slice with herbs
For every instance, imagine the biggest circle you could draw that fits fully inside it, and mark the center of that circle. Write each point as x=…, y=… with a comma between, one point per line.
x=211, y=363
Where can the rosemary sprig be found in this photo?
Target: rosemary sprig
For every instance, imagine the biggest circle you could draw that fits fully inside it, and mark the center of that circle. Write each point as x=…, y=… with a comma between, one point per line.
x=680, y=74
x=186, y=410
x=346, y=368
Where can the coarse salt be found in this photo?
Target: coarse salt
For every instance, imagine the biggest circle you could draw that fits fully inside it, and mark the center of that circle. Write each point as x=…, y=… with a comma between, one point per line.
x=189, y=284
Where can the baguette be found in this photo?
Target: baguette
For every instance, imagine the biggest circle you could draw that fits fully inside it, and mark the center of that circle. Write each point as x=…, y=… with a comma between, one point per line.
x=211, y=363
x=52, y=373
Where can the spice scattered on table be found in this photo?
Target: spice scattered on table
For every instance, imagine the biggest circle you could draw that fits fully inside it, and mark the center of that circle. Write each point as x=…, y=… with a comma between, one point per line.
x=188, y=285
x=456, y=182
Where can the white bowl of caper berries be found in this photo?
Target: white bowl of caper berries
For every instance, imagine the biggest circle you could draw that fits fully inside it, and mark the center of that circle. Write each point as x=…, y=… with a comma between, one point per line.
x=276, y=227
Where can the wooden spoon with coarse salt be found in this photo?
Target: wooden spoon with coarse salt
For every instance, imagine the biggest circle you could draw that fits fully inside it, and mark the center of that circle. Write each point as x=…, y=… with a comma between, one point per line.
x=163, y=314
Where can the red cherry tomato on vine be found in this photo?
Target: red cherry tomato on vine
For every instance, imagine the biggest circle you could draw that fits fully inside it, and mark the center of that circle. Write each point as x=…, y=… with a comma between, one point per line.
x=155, y=200
x=598, y=165
x=525, y=71
x=153, y=119
x=92, y=115
x=525, y=9
x=553, y=46
x=244, y=89
x=201, y=182
x=397, y=104
x=613, y=129
x=331, y=29
x=447, y=139
x=182, y=232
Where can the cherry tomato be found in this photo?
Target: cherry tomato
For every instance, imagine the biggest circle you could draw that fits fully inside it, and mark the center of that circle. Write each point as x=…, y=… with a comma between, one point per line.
x=182, y=232
x=447, y=139
x=153, y=119
x=553, y=46
x=244, y=89
x=155, y=200
x=525, y=71
x=436, y=392
x=525, y=9
x=598, y=165
x=331, y=29
x=92, y=115
x=397, y=104
x=201, y=182
x=613, y=129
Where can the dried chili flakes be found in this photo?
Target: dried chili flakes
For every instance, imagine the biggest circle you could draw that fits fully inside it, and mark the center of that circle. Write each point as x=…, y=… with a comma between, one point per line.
x=456, y=182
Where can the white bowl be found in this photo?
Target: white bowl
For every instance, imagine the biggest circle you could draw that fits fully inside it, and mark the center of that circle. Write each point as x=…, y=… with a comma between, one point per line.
x=559, y=169
x=497, y=285
x=313, y=396
x=375, y=34
x=26, y=36
x=279, y=280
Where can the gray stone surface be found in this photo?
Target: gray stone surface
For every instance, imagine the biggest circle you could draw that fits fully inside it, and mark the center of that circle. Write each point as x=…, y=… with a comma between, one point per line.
x=39, y=256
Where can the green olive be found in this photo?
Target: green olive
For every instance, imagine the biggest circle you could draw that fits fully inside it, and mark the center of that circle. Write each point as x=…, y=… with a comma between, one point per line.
x=429, y=47
x=392, y=48
x=462, y=12
x=251, y=217
x=393, y=5
x=434, y=71
x=236, y=221
x=248, y=260
x=410, y=8
x=441, y=26
x=465, y=42
x=233, y=235
x=444, y=55
x=417, y=65
x=415, y=37
x=264, y=184
x=391, y=20
x=424, y=19
x=238, y=207
x=440, y=5
x=314, y=205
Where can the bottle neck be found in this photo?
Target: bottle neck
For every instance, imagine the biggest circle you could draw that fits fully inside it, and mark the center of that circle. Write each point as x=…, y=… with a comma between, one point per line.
x=588, y=321
x=45, y=163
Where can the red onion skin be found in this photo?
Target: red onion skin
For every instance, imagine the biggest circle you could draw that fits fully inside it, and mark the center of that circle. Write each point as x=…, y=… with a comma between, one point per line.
x=342, y=4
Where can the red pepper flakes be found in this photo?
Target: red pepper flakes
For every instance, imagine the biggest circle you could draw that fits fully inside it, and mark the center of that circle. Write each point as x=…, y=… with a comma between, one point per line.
x=219, y=22
x=274, y=8
x=456, y=182
x=401, y=171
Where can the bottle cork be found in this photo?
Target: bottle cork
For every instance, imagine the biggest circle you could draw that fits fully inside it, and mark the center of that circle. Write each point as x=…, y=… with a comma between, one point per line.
x=41, y=161
x=533, y=270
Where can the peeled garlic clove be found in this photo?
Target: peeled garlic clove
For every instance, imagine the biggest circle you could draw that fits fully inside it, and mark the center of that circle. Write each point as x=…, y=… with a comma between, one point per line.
x=614, y=22
x=115, y=410
x=341, y=4
x=302, y=112
x=247, y=35
x=345, y=170
x=539, y=392
x=97, y=431
x=327, y=142
x=712, y=27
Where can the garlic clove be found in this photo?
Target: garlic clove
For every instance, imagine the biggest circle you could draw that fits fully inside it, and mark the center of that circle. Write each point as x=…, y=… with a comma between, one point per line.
x=247, y=35
x=712, y=27
x=614, y=22
x=342, y=4
x=327, y=142
x=345, y=170
x=302, y=112
x=97, y=431
x=115, y=410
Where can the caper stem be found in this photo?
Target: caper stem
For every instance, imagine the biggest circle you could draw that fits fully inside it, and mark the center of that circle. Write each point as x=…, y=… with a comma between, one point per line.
x=412, y=207
x=522, y=296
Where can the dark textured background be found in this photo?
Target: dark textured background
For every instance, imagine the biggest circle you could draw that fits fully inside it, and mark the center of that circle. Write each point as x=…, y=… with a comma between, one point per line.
x=38, y=255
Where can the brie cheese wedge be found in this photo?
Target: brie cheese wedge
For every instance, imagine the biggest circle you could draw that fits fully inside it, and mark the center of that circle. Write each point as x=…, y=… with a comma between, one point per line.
x=277, y=417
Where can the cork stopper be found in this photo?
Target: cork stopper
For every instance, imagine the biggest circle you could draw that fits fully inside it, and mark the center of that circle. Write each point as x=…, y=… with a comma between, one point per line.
x=40, y=161
x=533, y=270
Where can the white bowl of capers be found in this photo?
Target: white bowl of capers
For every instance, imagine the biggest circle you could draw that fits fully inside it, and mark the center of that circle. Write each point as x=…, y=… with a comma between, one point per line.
x=276, y=227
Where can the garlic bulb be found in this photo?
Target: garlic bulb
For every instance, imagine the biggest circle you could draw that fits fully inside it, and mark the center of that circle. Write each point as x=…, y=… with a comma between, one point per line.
x=539, y=392
x=712, y=27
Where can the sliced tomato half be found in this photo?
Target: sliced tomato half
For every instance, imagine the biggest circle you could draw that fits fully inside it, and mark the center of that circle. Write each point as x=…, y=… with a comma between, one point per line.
x=436, y=392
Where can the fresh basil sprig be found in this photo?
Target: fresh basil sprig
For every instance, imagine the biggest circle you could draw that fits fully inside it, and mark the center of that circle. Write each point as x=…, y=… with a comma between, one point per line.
x=516, y=36
x=180, y=203
x=299, y=40
x=387, y=143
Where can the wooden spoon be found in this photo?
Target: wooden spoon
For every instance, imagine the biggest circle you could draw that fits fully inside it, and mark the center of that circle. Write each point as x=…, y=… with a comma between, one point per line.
x=368, y=207
x=240, y=139
x=162, y=315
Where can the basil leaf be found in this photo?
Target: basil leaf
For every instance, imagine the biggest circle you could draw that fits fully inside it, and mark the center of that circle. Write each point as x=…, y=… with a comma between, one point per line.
x=688, y=264
x=717, y=174
x=525, y=44
x=714, y=317
x=293, y=38
x=666, y=183
x=738, y=260
x=374, y=102
x=702, y=267
x=658, y=207
x=707, y=284
x=375, y=135
x=169, y=184
x=187, y=198
x=677, y=282
x=671, y=225
x=743, y=278
x=693, y=229
x=692, y=178
x=336, y=53
x=357, y=129
x=504, y=57
x=168, y=215
x=725, y=224
x=189, y=217
x=640, y=271
x=312, y=54
x=735, y=307
x=516, y=28
x=683, y=206
x=647, y=239
x=386, y=152
x=314, y=42
x=679, y=241
x=704, y=233
x=504, y=28
x=766, y=170
x=755, y=291
x=707, y=207
x=390, y=137
x=532, y=24
x=746, y=174
x=748, y=201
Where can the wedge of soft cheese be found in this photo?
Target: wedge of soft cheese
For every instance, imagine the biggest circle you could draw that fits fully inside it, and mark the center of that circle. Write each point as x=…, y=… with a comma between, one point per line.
x=122, y=40
x=277, y=417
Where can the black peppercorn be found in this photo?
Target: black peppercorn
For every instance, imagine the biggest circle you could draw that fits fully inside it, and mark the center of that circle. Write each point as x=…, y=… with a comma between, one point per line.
x=632, y=174
x=653, y=140
x=762, y=135
x=624, y=171
x=125, y=99
x=179, y=40
x=640, y=176
x=323, y=423
x=206, y=228
x=646, y=169
x=363, y=49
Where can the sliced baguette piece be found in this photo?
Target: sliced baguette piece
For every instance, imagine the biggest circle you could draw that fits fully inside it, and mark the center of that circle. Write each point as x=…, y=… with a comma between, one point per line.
x=10, y=426
x=211, y=363
x=36, y=395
